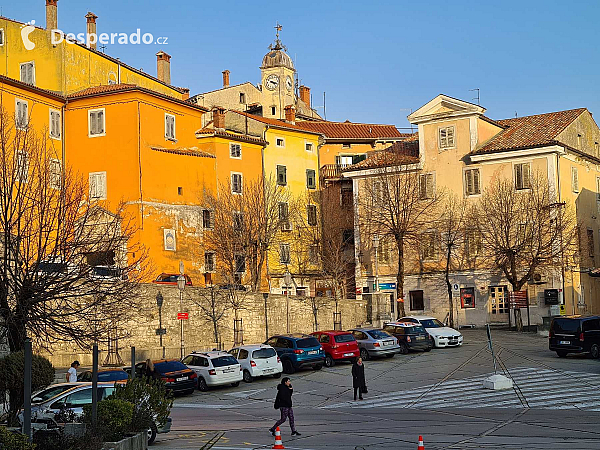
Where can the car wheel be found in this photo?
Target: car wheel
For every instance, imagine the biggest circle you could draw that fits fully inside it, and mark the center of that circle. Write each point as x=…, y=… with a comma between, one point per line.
x=391, y=355
x=595, y=351
x=403, y=348
x=364, y=354
x=202, y=386
x=152, y=431
x=561, y=353
x=329, y=362
x=277, y=375
x=428, y=349
x=288, y=367
x=236, y=384
x=247, y=377
x=317, y=366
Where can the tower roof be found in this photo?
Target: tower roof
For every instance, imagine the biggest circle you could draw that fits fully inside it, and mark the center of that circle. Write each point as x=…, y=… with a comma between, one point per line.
x=277, y=57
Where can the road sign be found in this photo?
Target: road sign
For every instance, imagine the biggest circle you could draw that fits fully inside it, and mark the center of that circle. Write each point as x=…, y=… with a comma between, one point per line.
x=455, y=287
x=182, y=316
x=161, y=331
x=563, y=310
x=387, y=286
x=518, y=299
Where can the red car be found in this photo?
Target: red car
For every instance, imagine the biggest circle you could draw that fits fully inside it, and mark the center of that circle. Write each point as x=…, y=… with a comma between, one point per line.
x=171, y=278
x=338, y=346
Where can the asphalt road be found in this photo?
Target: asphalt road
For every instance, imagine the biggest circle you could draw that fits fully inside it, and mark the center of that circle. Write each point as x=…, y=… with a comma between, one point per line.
x=555, y=403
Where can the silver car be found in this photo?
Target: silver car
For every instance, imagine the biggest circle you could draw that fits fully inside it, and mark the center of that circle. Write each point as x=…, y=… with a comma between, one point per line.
x=374, y=342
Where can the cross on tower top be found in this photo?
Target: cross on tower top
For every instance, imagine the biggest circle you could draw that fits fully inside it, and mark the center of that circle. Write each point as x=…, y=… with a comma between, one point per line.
x=278, y=28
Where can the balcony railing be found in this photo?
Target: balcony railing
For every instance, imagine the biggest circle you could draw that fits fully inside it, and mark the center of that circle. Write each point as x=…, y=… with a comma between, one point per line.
x=329, y=171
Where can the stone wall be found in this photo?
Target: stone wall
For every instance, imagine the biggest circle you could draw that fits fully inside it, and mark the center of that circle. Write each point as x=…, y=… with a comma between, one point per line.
x=198, y=331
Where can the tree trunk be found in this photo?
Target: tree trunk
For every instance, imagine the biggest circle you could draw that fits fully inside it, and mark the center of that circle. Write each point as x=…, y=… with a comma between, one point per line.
x=400, y=278
x=17, y=332
x=449, y=286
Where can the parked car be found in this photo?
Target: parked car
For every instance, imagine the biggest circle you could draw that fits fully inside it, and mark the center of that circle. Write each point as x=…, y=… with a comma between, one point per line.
x=410, y=336
x=75, y=398
x=297, y=351
x=374, y=342
x=177, y=377
x=442, y=335
x=113, y=374
x=575, y=334
x=214, y=369
x=338, y=346
x=50, y=392
x=171, y=279
x=257, y=361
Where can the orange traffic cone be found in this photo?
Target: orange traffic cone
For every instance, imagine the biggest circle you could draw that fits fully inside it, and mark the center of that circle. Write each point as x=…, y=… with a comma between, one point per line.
x=420, y=447
x=278, y=443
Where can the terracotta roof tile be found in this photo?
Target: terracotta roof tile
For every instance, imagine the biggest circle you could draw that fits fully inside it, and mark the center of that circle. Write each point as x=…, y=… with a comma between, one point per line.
x=351, y=130
x=529, y=131
x=228, y=135
x=399, y=153
x=186, y=151
x=275, y=122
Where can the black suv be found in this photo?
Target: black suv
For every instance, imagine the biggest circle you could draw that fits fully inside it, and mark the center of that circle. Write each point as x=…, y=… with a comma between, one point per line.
x=575, y=334
x=410, y=336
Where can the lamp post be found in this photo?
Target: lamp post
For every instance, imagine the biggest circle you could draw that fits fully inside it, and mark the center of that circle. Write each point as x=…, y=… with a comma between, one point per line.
x=376, y=247
x=181, y=287
x=159, y=303
x=287, y=279
x=266, y=298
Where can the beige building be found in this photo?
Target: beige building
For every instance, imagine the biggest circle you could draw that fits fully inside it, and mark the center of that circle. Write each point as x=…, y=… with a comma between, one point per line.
x=461, y=151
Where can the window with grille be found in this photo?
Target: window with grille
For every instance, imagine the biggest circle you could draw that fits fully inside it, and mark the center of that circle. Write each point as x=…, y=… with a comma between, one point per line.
x=235, y=150
x=281, y=175
x=55, y=124
x=96, y=122
x=21, y=114
x=523, y=176
x=208, y=219
x=22, y=166
x=312, y=214
x=472, y=186
x=28, y=72
x=284, y=253
x=55, y=169
x=170, y=126
x=426, y=186
x=446, y=137
x=236, y=183
x=209, y=262
x=97, y=182
x=574, y=179
x=311, y=180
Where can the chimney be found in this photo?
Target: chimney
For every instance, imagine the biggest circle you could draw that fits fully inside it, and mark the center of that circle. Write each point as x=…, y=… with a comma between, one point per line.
x=51, y=15
x=219, y=117
x=290, y=114
x=92, y=37
x=226, y=78
x=163, y=67
x=305, y=95
x=185, y=94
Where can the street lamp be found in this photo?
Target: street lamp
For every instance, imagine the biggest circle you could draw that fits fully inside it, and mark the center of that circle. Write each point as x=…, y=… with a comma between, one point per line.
x=266, y=298
x=287, y=279
x=159, y=303
x=376, y=247
x=181, y=287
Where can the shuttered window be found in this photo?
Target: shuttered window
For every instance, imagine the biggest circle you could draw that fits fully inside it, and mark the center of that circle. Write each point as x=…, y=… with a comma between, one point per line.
x=235, y=150
x=446, y=137
x=96, y=122
x=574, y=179
x=472, y=186
x=311, y=211
x=55, y=124
x=311, y=182
x=428, y=245
x=97, y=182
x=523, y=176
x=21, y=113
x=236, y=183
x=283, y=211
x=28, y=72
x=284, y=253
x=209, y=262
x=208, y=219
x=22, y=166
x=169, y=126
x=55, y=169
x=426, y=186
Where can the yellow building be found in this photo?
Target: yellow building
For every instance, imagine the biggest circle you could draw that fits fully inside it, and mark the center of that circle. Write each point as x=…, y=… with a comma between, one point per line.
x=462, y=151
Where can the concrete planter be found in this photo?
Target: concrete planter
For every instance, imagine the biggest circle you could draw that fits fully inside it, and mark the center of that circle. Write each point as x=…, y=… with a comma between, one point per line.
x=136, y=442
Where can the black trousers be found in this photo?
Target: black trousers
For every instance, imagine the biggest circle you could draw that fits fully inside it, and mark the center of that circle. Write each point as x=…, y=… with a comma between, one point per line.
x=357, y=390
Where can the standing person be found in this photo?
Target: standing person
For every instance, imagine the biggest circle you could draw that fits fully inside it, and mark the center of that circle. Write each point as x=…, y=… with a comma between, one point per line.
x=150, y=372
x=358, y=378
x=72, y=372
x=283, y=402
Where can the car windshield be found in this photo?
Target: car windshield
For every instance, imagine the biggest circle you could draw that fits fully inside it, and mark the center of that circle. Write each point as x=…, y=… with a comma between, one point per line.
x=378, y=334
x=113, y=375
x=432, y=323
x=565, y=326
x=416, y=329
x=263, y=353
x=223, y=361
x=307, y=343
x=344, y=338
x=169, y=366
x=47, y=394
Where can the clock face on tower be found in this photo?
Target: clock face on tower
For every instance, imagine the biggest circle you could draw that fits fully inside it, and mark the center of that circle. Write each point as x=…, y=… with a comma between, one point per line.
x=272, y=82
x=288, y=83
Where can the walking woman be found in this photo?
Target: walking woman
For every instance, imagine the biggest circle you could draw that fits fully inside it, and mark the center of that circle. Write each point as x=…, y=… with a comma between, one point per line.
x=358, y=378
x=283, y=402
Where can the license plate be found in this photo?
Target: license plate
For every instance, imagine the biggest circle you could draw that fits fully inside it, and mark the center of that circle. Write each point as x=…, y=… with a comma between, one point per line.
x=268, y=370
x=313, y=352
x=348, y=354
x=182, y=379
x=420, y=338
x=228, y=370
x=387, y=343
x=564, y=342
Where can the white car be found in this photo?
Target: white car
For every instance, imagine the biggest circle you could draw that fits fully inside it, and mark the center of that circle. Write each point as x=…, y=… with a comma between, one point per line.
x=257, y=361
x=442, y=335
x=214, y=369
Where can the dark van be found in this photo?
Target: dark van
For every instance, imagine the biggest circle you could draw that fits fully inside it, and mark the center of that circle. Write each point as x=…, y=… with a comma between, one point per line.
x=575, y=334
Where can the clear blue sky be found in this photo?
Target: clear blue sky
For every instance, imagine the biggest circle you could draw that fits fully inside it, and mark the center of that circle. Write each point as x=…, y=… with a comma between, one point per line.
x=376, y=60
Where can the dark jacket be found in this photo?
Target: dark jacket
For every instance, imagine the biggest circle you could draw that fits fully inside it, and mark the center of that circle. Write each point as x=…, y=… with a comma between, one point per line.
x=284, y=396
x=358, y=375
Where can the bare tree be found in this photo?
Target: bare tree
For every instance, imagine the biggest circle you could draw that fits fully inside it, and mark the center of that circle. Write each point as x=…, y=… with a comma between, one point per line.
x=68, y=268
x=399, y=202
x=213, y=307
x=525, y=231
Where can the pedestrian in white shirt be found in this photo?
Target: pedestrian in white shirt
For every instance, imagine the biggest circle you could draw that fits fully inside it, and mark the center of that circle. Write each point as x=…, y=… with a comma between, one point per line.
x=72, y=372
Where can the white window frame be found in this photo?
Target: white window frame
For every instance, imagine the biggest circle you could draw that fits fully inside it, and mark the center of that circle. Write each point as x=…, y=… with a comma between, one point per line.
x=55, y=179
x=277, y=143
x=22, y=173
x=286, y=246
x=308, y=144
x=233, y=144
x=3, y=37
x=17, y=123
x=214, y=262
x=167, y=137
x=90, y=111
x=52, y=110
x=441, y=147
x=104, y=191
x=32, y=72
x=464, y=180
x=425, y=176
x=241, y=182
x=514, y=167
x=575, y=179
